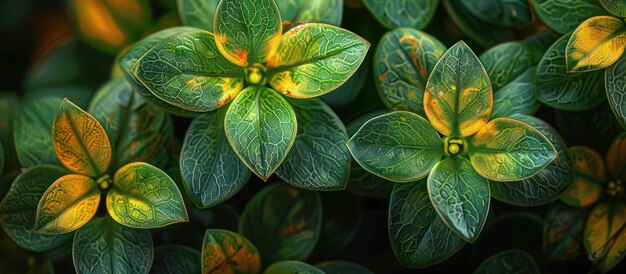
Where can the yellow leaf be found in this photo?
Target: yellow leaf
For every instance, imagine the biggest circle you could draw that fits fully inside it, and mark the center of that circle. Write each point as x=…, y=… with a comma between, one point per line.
x=597, y=43
x=605, y=234
x=589, y=175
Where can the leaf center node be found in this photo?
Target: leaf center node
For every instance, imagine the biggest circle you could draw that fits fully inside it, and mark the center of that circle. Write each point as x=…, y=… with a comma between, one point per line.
x=453, y=146
x=255, y=75
x=104, y=182
x=614, y=188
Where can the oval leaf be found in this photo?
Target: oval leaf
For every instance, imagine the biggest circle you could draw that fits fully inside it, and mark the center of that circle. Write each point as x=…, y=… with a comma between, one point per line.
x=314, y=59
x=596, y=44
x=460, y=196
x=19, y=207
x=589, y=176
x=188, y=71
x=247, y=31
x=605, y=234
x=400, y=146
x=292, y=267
x=283, y=222
x=616, y=7
x=398, y=13
x=143, y=196
x=210, y=169
x=319, y=158
x=32, y=135
x=174, y=259
x=261, y=127
x=418, y=242
x=518, y=96
x=228, y=252
x=509, y=150
x=563, y=231
x=615, y=84
x=403, y=61
x=69, y=203
x=558, y=89
x=104, y=246
x=507, y=61
x=79, y=140
x=458, y=98
x=510, y=261
x=564, y=16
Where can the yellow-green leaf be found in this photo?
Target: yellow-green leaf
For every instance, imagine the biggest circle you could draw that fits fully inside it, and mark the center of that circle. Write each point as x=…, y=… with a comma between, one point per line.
x=458, y=98
x=509, y=150
x=314, y=59
x=143, y=196
x=79, y=140
x=67, y=204
x=589, y=176
x=247, y=31
x=605, y=234
x=228, y=252
x=596, y=44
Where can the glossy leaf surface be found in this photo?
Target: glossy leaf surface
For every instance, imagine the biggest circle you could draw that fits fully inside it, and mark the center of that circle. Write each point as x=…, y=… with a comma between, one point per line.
x=563, y=228
x=143, y=196
x=596, y=44
x=518, y=96
x=400, y=146
x=564, y=16
x=228, y=252
x=173, y=259
x=323, y=11
x=403, y=61
x=589, y=176
x=458, y=98
x=314, y=59
x=605, y=234
x=509, y=261
x=32, y=135
x=261, y=127
x=400, y=13
x=615, y=84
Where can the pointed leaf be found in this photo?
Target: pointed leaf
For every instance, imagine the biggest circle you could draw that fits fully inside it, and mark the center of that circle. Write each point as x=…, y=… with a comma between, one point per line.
x=314, y=59
x=605, y=234
x=79, y=140
x=324, y=11
x=615, y=83
x=616, y=158
x=104, y=246
x=228, y=252
x=458, y=98
x=143, y=196
x=509, y=261
x=342, y=267
x=564, y=16
x=616, y=7
x=509, y=150
x=418, y=242
x=210, y=169
x=319, y=158
x=197, y=13
x=562, y=239
x=292, y=267
x=283, y=222
x=567, y=91
x=596, y=44
x=589, y=176
x=173, y=259
x=398, y=13
x=19, y=207
x=518, y=96
x=187, y=71
x=32, y=135
x=460, y=196
x=69, y=203
x=402, y=63
x=247, y=31
x=400, y=146
x=261, y=127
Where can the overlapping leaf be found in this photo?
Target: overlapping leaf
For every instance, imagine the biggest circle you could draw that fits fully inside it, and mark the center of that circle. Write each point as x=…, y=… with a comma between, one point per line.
x=615, y=84
x=564, y=16
x=589, y=176
x=605, y=234
x=33, y=142
x=596, y=44
x=228, y=252
x=508, y=13
x=399, y=13
x=562, y=239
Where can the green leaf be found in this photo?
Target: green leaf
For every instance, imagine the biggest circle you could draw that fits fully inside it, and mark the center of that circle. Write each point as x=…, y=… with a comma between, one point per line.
x=187, y=70
x=605, y=235
x=596, y=44
x=616, y=7
x=564, y=16
x=458, y=98
x=518, y=96
x=261, y=127
x=283, y=222
x=210, y=169
x=349, y=90
x=399, y=13
x=128, y=60
x=400, y=146
x=314, y=59
x=174, y=259
x=418, y=242
x=615, y=84
x=143, y=196
x=292, y=267
x=509, y=150
x=589, y=173
x=562, y=239
x=32, y=135
x=319, y=158
x=342, y=267
x=545, y=186
x=322, y=11
x=228, y=252
x=485, y=34
x=506, y=13
x=104, y=246
x=247, y=31
x=508, y=61
x=69, y=203
x=403, y=61
x=197, y=13
x=509, y=261
x=460, y=196
x=19, y=206
x=138, y=131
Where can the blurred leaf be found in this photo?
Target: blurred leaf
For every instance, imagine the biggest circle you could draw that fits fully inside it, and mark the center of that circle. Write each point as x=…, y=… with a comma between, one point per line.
x=509, y=261
x=616, y=7
x=482, y=32
x=292, y=267
x=319, y=11
x=175, y=259
x=616, y=158
x=605, y=235
x=228, y=252
x=342, y=267
x=399, y=13
x=615, y=84
x=589, y=176
x=506, y=13
x=197, y=13
x=562, y=239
